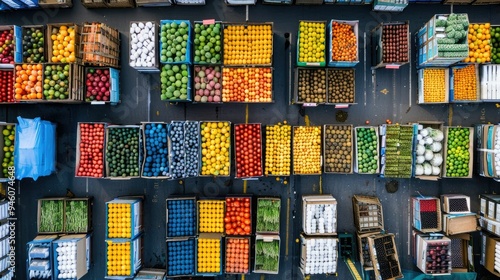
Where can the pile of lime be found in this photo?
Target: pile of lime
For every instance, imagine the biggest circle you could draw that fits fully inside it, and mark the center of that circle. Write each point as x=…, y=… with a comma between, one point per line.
x=495, y=44
x=457, y=152
x=8, y=133
x=367, y=153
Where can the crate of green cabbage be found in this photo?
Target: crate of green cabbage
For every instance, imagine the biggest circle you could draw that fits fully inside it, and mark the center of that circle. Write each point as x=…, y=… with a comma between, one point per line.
x=267, y=254
x=428, y=152
x=366, y=146
x=51, y=215
x=268, y=215
x=78, y=215
x=458, y=152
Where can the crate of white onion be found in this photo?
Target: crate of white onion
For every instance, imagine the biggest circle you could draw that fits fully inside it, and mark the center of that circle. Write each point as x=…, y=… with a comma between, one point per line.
x=143, y=46
x=71, y=256
x=318, y=255
x=319, y=215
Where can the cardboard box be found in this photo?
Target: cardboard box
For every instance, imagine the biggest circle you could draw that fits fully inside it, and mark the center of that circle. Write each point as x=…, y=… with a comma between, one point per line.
x=485, y=146
x=40, y=256
x=332, y=63
x=258, y=267
x=315, y=208
x=239, y=153
x=44, y=4
x=459, y=223
x=278, y=152
x=490, y=225
x=245, y=259
x=368, y=214
x=432, y=249
x=481, y=131
x=208, y=23
x=384, y=256
x=76, y=83
x=261, y=227
x=426, y=214
x=227, y=171
x=490, y=206
x=299, y=155
x=109, y=174
x=68, y=203
x=328, y=260
x=471, y=152
x=490, y=85
x=120, y=3
x=376, y=152
x=213, y=272
x=100, y=45
x=136, y=216
x=389, y=5
x=145, y=170
x=136, y=250
x=151, y=274
x=50, y=43
x=81, y=256
x=217, y=226
x=477, y=97
x=190, y=244
x=42, y=29
x=57, y=204
x=423, y=83
x=434, y=125
x=311, y=63
x=114, y=87
x=347, y=90
x=155, y=67
x=188, y=208
x=377, y=40
x=90, y=4
x=87, y=144
x=462, y=258
x=364, y=249
x=328, y=141
x=188, y=58
x=242, y=200
x=397, y=150
x=307, y=74
x=490, y=254
x=455, y=203
x=26, y=93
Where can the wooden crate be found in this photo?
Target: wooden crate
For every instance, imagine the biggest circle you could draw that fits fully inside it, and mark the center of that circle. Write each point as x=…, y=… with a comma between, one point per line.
x=100, y=45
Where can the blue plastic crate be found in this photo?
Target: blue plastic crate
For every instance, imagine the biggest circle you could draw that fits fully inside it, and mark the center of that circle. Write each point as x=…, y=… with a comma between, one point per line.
x=187, y=55
x=331, y=63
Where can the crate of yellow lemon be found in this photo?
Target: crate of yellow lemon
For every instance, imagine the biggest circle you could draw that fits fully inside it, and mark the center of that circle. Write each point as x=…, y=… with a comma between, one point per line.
x=215, y=148
x=307, y=158
x=124, y=218
x=278, y=149
x=311, y=41
x=209, y=254
x=63, y=41
x=123, y=257
x=211, y=216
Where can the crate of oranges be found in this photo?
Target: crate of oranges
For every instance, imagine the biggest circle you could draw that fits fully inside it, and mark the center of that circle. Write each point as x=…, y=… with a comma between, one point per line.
x=63, y=40
x=123, y=257
x=209, y=254
x=343, y=43
x=248, y=44
x=237, y=255
x=464, y=83
x=433, y=85
x=124, y=218
x=28, y=82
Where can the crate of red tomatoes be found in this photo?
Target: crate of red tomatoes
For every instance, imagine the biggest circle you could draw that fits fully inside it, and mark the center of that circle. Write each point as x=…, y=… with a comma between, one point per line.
x=238, y=215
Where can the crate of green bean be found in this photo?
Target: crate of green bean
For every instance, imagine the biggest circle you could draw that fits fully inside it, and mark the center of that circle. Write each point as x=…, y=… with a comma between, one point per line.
x=78, y=215
x=50, y=218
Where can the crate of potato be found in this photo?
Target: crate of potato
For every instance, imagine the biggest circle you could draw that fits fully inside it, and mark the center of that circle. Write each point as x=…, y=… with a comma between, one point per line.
x=248, y=150
x=248, y=44
x=490, y=84
x=209, y=254
x=464, y=83
x=311, y=41
x=310, y=86
x=63, y=43
x=343, y=43
x=6, y=85
x=433, y=85
x=220, y=131
x=390, y=45
x=100, y=45
x=366, y=147
x=237, y=255
x=479, y=43
x=63, y=82
x=307, y=150
x=123, y=151
x=337, y=148
x=458, y=152
x=278, y=149
x=34, y=50
x=90, y=150
x=248, y=84
x=28, y=82
x=340, y=86
x=211, y=216
x=238, y=216
x=397, y=151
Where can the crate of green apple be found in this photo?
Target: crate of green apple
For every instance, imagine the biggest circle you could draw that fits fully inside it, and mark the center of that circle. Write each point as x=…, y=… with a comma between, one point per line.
x=429, y=151
x=458, y=152
x=63, y=82
x=34, y=50
x=207, y=83
x=175, y=82
x=366, y=147
x=397, y=151
x=10, y=44
x=175, y=41
x=207, y=42
x=90, y=150
x=123, y=151
x=7, y=149
x=248, y=150
x=102, y=85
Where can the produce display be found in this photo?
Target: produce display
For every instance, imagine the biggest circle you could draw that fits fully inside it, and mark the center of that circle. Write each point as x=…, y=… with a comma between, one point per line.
x=268, y=215
x=207, y=43
x=398, y=151
x=321, y=219
x=119, y=219
x=495, y=44
x=33, y=45
x=479, y=43
x=6, y=88
x=338, y=148
x=311, y=42
x=395, y=43
x=8, y=134
x=7, y=46
x=90, y=154
x=175, y=41
x=248, y=44
x=177, y=151
x=434, y=85
x=180, y=257
x=367, y=150
x=248, y=150
x=66, y=259
x=267, y=255
x=307, y=150
x=119, y=258
x=278, y=148
x=465, y=87
x=122, y=151
x=438, y=259
x=311, y=85
x=28, y=82
x=211, y=216
x=237, y=255
x=341, y=85
x=254, y=84
x=156, y=153
x=426, y=214
x=51, y=216
x=56, y=81
x=175, y=84
x=455, y=42
x=215, y=158
x=321, y=256
x=63, y=42
x=142, y=44
x=77, y=216
x=209, y=256
x=207, y=84
x=238, y=218
x=98, y=84
x=192, y=148
x=100, y=44
x=429, y=154
x=457, y=152
x=384, y=256
x=344, y=42
x=181, y=217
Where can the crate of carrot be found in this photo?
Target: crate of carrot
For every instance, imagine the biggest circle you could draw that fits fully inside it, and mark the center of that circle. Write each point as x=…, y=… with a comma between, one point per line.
x=464, y=83
x=237, y=255
x=343, y=43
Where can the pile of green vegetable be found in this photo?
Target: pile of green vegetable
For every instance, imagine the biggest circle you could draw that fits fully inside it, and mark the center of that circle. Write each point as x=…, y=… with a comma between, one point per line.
x=267, y=255
x=454, y=44
x=76, y=216
x=398, y=151
x=268, y=215
x=367, y=149
x=51, y=216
